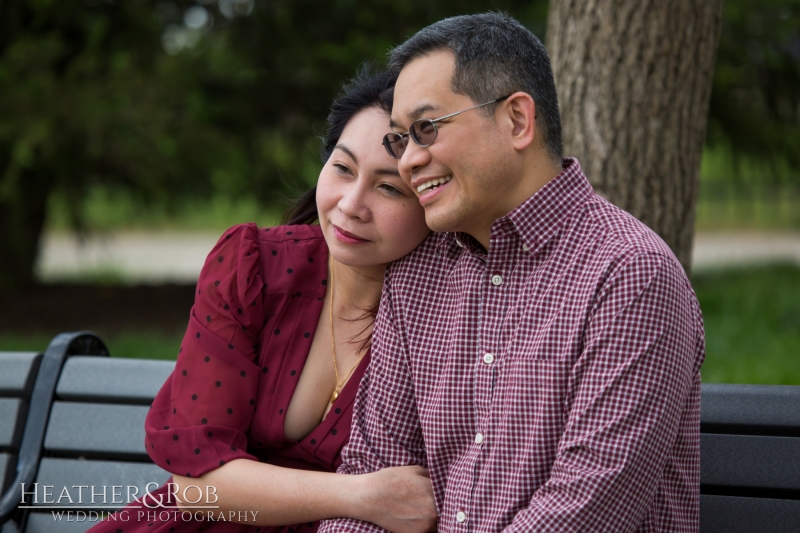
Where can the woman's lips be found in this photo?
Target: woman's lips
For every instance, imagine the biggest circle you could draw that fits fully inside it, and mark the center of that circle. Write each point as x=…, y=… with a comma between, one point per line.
x=347, y=237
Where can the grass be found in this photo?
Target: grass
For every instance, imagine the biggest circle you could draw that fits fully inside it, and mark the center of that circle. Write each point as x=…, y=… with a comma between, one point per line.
x=132, y=344
x=752, y=322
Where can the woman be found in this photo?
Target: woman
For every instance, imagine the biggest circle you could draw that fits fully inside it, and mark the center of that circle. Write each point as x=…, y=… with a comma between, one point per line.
x=260, y=402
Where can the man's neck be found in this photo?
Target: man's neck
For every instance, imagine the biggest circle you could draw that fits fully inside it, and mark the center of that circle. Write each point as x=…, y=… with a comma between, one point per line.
x=539, y=173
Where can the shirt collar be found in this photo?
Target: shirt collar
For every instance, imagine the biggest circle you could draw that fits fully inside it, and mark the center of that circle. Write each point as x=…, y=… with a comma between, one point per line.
x=538, y=217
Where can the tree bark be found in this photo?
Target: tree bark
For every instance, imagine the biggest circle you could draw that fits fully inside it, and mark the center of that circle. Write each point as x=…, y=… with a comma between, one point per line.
x=23, y=210
x=634, y=82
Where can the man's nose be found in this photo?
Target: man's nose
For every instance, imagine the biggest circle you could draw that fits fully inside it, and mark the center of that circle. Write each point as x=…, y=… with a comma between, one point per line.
x=414, y=158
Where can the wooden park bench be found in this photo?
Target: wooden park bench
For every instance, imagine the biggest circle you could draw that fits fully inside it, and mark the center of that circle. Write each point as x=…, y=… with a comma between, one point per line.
x=89, y=431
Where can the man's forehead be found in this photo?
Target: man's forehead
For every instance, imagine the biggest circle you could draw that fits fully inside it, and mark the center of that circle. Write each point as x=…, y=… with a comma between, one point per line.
x=422, y=86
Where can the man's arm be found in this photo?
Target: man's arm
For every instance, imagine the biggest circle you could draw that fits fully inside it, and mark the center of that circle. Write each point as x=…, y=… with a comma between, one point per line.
x=634, y=382
x=385, y=430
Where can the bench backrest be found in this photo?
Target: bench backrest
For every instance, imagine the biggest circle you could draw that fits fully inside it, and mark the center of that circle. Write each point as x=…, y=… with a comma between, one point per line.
x=95, y=438
x=750, y=458
x=17, y=374
x=750, y=445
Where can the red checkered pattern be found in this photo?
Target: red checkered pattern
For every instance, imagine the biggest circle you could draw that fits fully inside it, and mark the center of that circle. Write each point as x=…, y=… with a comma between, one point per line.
x=551, y=384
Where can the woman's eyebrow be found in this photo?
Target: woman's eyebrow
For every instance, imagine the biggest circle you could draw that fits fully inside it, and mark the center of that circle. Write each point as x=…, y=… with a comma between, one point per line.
x=388, y=172
x=346, y=150
x=380, y=172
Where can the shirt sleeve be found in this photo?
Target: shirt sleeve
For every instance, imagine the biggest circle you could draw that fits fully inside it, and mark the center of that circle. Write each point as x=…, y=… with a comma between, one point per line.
x=634, y=377
x=385, y=431
x=200, y=417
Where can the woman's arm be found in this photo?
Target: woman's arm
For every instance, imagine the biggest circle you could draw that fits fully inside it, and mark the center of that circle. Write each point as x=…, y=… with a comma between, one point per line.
x=398, y=499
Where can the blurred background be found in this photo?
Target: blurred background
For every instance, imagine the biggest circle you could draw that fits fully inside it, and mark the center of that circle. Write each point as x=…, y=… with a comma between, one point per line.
x=132, y=133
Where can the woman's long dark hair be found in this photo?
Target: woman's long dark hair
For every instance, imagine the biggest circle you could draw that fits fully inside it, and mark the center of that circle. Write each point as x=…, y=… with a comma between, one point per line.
x=367, y=89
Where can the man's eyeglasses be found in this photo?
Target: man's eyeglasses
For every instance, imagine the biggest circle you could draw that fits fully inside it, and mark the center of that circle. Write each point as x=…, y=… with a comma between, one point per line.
x=423, y=131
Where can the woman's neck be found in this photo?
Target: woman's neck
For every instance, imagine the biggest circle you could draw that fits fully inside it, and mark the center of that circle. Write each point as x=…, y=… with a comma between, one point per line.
x=357, y=289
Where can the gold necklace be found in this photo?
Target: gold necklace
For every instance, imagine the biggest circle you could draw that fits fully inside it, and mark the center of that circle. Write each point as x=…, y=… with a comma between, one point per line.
x=339, y=384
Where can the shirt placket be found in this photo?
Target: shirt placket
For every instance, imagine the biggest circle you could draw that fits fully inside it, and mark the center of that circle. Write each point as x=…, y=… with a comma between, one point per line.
x=493, y=291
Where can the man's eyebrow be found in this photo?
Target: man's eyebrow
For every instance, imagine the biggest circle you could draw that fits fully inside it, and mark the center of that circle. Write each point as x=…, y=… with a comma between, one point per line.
x=414, y=115
x=346, y=150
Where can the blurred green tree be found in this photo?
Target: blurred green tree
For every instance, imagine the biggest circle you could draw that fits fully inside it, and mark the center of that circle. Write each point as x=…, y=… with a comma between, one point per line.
x=755, y=98
x=166, y=100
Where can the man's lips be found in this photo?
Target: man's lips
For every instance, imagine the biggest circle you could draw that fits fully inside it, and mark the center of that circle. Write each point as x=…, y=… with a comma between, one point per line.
x=428, y=195
x=346, y=236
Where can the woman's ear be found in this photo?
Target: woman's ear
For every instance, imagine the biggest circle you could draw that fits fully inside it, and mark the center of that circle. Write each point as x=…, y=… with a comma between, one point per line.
x=520, y=111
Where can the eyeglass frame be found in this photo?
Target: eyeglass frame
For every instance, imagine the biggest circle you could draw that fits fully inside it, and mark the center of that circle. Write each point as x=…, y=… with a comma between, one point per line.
x=433, y=122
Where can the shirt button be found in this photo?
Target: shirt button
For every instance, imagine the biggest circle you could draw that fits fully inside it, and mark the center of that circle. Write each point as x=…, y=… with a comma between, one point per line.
x=497, y=280
x=461, y=516
x=479, y=438
x=488, y=358
x=525, y=247
x=459, y=243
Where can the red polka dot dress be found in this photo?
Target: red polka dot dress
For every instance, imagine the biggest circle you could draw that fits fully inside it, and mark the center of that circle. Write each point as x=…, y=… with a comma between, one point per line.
x=258, y=301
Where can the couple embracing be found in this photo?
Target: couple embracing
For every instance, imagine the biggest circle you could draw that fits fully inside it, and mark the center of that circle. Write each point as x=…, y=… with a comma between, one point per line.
x=470, y=339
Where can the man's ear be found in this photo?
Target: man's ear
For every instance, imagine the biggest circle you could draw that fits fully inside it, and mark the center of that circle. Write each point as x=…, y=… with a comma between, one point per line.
x=520, y=112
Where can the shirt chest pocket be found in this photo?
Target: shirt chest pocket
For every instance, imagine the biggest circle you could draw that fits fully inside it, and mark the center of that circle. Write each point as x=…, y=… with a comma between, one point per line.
x=533, y=396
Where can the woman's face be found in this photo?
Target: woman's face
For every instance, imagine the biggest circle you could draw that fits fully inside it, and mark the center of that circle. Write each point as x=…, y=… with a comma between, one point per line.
x=368, y=215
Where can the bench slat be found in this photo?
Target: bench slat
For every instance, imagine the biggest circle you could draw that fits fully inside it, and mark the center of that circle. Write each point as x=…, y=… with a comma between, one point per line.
x=19, y=373
x=12, y=422
x=97, y=430
x=66, y=473
x=732, y=514
x=750, y=409
x=112, y=380
x=8, y=462
x=750, y=461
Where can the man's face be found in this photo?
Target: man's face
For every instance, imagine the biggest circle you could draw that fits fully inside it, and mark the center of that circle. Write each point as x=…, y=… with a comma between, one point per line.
x=470, y=155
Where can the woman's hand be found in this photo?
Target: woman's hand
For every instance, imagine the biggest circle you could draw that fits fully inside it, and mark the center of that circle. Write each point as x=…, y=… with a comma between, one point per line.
x=399, y=499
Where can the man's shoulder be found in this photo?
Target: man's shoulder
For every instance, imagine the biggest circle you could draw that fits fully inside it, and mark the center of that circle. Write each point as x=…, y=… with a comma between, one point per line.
x=617, y=235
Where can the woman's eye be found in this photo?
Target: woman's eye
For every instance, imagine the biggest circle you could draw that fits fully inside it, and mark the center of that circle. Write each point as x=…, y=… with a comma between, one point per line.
x=394, y=191
x=341, y=168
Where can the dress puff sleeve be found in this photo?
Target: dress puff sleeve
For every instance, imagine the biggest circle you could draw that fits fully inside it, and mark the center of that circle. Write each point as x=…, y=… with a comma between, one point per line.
x=200, y=417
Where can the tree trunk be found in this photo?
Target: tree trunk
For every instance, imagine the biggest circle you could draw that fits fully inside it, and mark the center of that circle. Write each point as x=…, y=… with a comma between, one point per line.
x=634, y=81
x=22, y=216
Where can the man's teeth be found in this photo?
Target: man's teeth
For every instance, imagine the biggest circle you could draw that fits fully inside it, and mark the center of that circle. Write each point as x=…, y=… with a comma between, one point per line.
x=433, y=183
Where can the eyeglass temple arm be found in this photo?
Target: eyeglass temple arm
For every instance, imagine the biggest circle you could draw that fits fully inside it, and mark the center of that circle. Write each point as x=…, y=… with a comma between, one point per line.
x=470, y=109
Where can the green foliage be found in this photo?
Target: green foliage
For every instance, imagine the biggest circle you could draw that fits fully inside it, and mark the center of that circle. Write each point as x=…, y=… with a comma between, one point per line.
x=169, y=102
x=755, y=100
x=752, y=323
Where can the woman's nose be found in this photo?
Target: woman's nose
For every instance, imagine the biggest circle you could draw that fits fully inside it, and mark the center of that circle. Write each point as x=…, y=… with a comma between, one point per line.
x=353, y=203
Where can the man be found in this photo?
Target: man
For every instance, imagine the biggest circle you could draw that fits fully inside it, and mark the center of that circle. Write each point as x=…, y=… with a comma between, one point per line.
x=541, y=353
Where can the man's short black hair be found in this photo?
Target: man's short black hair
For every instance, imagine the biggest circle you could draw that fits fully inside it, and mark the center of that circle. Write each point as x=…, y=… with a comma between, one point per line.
x=495, y=56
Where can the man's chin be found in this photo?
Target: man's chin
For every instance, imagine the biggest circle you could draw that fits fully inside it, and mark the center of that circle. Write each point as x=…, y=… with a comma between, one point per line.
x=441, y=221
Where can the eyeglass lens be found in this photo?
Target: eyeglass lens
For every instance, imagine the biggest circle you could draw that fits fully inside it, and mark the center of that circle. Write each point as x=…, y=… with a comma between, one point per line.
x=395, y=144
x=423, y=131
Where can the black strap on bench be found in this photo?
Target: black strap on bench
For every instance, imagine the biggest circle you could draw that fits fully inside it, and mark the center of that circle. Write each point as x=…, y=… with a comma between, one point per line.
x=61, y=347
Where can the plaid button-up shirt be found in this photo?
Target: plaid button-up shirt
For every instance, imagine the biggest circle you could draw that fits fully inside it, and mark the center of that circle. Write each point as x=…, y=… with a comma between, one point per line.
x=551, y=384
